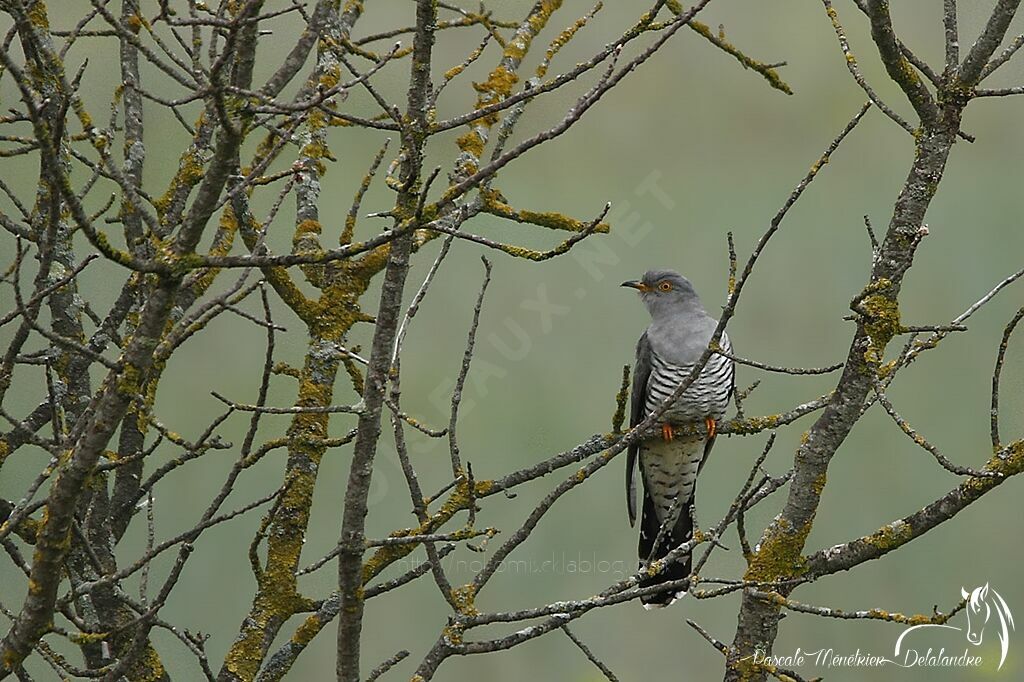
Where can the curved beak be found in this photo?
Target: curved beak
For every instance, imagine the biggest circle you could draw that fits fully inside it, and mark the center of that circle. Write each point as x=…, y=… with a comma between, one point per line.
x=635, y=284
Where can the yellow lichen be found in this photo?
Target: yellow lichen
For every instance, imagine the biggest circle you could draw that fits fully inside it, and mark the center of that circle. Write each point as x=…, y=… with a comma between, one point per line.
x=81, y=638
x=330, y=77
x=780, y=554
x=190, y=172
x=495, y=205
x=497, y=87
x=457, y=500
x=37, y=15
x=767, y=72
x=1008, y=464
x=563, y=39
x=148, y=668
x=129, y=384
x=752, y=425
x=135, y=23
x=471, y=143
x=882, y=318
x=463, y=598
x=308, y=226
x=305, y=633
x=890, y=536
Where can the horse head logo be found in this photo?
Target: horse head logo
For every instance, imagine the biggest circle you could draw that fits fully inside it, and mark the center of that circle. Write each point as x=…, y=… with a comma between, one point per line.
x=982, y=603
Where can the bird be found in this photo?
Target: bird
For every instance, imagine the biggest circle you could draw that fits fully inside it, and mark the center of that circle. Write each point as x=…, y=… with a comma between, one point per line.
x=679, y=333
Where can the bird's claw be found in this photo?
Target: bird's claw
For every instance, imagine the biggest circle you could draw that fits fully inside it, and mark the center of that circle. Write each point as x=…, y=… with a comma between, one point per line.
x=711, y=426
x=667, y=433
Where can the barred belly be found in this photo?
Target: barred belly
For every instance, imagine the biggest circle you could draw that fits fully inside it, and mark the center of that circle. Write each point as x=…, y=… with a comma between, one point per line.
x=670, y=473
x=707, y=396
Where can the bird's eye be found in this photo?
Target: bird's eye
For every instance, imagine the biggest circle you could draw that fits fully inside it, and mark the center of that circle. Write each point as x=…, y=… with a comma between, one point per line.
x=665, y=286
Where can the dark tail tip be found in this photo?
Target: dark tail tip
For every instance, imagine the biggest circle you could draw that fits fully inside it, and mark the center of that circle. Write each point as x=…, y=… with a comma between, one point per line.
x=679, y=569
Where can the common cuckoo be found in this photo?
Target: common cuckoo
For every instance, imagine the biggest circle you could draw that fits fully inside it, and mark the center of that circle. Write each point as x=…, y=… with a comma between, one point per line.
x=673, y=344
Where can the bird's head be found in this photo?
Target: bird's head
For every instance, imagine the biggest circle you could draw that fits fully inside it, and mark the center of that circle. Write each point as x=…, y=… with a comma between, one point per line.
x=666, y=292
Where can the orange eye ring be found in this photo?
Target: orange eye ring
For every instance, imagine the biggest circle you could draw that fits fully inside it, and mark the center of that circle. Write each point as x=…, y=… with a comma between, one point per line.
x=665, y=286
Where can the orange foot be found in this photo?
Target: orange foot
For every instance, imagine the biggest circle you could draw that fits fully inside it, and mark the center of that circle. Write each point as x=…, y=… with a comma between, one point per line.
x=667, y=433
x=711, y=426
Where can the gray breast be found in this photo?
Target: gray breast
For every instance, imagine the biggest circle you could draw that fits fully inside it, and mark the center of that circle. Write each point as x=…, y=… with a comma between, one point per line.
x=707, y=396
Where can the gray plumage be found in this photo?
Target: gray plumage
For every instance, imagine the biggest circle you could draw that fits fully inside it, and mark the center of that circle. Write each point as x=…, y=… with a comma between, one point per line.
x=669, y=349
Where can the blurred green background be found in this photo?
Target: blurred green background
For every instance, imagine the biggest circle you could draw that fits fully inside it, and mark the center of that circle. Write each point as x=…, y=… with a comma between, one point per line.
x=689, y=147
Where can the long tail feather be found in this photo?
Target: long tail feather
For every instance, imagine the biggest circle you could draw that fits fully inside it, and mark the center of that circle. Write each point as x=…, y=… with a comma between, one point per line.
x=681, y=532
